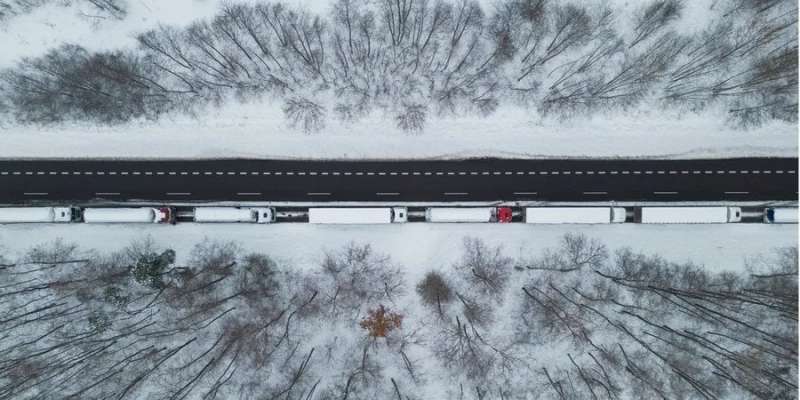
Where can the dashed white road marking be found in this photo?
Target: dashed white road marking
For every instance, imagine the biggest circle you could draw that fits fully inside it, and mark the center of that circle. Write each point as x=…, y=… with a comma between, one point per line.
x=107, y=194
x=248, y=194
x=526, y=193
x=35, y=193
x=455, y=193
x=737, y=192
x=387, y=194
x=318, y=193
x=665, y=192
x=178, y=194
x=593, y=193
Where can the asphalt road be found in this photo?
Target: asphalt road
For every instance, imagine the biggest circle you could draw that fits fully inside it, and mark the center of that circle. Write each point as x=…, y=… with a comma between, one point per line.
x=743, y=179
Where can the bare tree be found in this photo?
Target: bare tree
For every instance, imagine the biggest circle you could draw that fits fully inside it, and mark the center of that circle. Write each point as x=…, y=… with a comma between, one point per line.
x=359, y=278
x=71, y=83
x=304, y=114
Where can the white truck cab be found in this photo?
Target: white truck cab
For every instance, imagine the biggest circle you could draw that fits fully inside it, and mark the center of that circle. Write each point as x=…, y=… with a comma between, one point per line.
x=265, y=215
x=399, y=214
x=63, y=214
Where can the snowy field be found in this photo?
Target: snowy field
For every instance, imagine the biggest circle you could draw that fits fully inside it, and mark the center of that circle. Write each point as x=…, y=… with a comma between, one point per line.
x=421, y=247
x=259, y=130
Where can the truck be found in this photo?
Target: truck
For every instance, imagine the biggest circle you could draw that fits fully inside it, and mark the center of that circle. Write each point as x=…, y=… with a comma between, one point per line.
x=12, y=215
x=153, y=215
x=258, y=215
x=468, y=214
x=357, y=215
x=780, y=215
x=574, y=215
x=687, y=215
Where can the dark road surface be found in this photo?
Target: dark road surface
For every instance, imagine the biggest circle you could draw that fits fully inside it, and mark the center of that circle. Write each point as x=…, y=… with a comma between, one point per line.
x=743, y=179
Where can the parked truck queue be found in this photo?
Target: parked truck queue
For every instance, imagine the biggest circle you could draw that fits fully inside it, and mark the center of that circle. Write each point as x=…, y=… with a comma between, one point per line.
x=397, y=215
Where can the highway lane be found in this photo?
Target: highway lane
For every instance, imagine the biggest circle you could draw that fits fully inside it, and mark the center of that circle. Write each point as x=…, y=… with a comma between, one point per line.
x=743, y=179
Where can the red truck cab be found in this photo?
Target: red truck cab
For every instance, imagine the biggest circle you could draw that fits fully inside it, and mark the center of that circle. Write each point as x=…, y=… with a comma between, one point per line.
x=504, y=214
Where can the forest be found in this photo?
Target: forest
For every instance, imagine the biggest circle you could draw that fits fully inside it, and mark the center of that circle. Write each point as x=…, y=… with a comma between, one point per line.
x=576, y=321
x=411, y=59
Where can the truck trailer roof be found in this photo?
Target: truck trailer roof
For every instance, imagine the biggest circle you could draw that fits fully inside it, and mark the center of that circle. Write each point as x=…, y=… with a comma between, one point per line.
x=684, y=215
x=223, y=214
x=459, y=214
x=350, y=215
x=572, y=215
x=121, y=215
x=26, y=214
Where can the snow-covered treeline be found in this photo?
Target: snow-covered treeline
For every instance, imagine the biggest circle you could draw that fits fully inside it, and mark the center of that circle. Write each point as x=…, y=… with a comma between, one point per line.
x=101, y=9
x=576, y=321
x=415, y=58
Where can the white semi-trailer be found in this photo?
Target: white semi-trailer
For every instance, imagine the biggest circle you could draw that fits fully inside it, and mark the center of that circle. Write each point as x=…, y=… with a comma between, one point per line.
x=461, y=214
x=687, y=215
x=357, y=215
x=574, y=215
x=161, y=215
x=13, y=215
x=262, y=215
x=782, y=215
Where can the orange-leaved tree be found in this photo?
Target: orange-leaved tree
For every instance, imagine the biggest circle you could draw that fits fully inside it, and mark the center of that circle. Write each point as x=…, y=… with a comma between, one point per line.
x=380, y=321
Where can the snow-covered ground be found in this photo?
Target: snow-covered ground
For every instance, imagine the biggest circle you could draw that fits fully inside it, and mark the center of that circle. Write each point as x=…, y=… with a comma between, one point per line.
x=259, y=129
x=421, y=247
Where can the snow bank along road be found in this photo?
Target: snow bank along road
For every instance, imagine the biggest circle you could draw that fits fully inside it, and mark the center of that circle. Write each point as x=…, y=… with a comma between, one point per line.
x=739, y=179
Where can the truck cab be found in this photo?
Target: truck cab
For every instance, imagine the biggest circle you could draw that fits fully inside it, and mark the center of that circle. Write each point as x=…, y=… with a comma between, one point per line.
x=399, y=214
x=165, y=215
x=65, y=214
x=734, y=214
x=264, y=215
x=504, y=214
